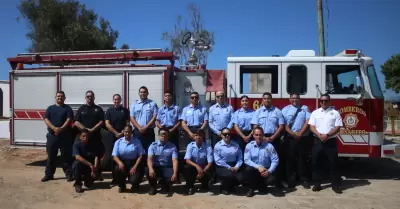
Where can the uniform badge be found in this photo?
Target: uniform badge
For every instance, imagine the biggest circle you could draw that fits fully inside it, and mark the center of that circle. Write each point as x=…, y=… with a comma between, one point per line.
x=96, y=109
x=331, y=113
x=266, y=150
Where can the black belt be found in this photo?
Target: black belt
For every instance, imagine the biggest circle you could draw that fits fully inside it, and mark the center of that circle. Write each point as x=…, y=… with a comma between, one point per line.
x=168, y=127
x=194, y=126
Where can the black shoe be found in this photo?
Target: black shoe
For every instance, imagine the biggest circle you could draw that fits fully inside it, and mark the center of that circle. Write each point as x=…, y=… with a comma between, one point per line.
x=279, y=185
x=224, y=192
x=47, y=178
x=113, y=183
x=70, y=178
x=135, y=187
x=121, y=189
x=250, y=193
x=337, y=190
x=263, y=190
x=165, y=189
x=152, y=191
x=291, y=185
x=204, y=188
x=88, y=184
x=78, y=189
x=317, y=188
x=306, y=185
x=100, y=178
x=191, y=191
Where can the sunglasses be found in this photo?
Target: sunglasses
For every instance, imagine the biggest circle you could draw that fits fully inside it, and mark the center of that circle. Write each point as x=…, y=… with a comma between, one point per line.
x=226, y=134
x=89, y=97
x=163, y=134
x=194, y=97
x=322, y=101
x=222, y=96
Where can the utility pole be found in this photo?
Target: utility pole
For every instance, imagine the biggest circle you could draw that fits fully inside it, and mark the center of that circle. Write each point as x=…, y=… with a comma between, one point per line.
x=321, y=34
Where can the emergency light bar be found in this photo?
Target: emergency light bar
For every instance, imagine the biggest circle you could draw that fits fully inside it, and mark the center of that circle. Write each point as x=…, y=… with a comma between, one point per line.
x=349, y=53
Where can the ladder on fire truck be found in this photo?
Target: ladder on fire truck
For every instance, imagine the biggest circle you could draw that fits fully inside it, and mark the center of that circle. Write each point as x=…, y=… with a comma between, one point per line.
x=92, y=56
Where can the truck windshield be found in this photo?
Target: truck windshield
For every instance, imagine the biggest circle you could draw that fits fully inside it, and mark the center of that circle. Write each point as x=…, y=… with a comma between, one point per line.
x=374, y=82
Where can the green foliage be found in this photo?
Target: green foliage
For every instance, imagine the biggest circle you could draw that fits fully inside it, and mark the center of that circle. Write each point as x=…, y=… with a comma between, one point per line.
x=175, y=36
x=391, y=70
x=65, y=25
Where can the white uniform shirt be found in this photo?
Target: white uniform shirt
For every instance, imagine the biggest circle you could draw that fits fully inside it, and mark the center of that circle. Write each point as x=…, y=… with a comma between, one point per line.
x=325, y=120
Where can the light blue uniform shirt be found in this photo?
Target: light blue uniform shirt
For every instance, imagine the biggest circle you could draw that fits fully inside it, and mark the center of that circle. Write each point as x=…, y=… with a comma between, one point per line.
x=162, y=153
x=194, y=116
x=200, y=155
x=268, y=119
x=128, y=151
x=288, y=113
x=261, y=155
x=242, y=119
x=220, y=117
x=228, y=153
x=142, y=112
x=168, y=116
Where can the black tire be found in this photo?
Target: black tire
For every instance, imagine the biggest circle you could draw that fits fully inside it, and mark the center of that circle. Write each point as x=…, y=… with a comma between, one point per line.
x=108, y=143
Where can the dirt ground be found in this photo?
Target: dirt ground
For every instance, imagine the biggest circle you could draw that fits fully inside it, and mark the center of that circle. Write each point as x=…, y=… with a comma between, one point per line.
x=367, y=183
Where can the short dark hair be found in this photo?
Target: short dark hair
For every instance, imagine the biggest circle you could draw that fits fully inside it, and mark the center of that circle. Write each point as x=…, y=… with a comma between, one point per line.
x=267, y=94
x=83, y=131
x=244, y=96
x=117, y=95
x=294, y=93
x=225, y=128
x=200, y=132
x=325, y=95
x=145, y=88
x=194, y=92
x=258, y=128
x=61, y=92
x=128, y=126
x=168, y=92
x=163, y=129
x=89, y=91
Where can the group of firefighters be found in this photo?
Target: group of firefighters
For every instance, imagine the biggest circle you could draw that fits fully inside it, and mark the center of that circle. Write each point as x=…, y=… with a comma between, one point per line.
x=270, y=147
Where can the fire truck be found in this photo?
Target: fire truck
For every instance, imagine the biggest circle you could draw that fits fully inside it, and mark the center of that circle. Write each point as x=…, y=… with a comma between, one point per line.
x=348, y=77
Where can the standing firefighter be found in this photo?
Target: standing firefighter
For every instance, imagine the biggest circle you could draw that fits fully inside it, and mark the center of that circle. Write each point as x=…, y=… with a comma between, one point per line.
x=91, y=117
x=296, y=142
x=58, y=119
x=143, y=114
x=325, y=123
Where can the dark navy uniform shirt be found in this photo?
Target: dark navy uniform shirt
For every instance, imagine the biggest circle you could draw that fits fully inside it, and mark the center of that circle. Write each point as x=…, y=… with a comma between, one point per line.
x=79, y=148
x=89, y=116
x=57, y=115
x=118, y=117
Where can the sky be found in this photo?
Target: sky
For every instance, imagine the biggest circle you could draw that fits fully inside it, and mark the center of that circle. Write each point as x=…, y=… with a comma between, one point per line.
x=242, y=28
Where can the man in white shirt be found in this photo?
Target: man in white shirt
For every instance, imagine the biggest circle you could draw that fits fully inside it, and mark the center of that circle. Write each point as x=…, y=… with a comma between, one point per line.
x=325, y=123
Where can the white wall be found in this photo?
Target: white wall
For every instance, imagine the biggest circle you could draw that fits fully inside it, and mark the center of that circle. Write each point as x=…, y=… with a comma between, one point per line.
x=5, y=87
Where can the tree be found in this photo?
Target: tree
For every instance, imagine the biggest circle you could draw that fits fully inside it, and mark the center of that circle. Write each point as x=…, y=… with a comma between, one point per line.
x=65, y=25
x=391, y=70
x=175, y=36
